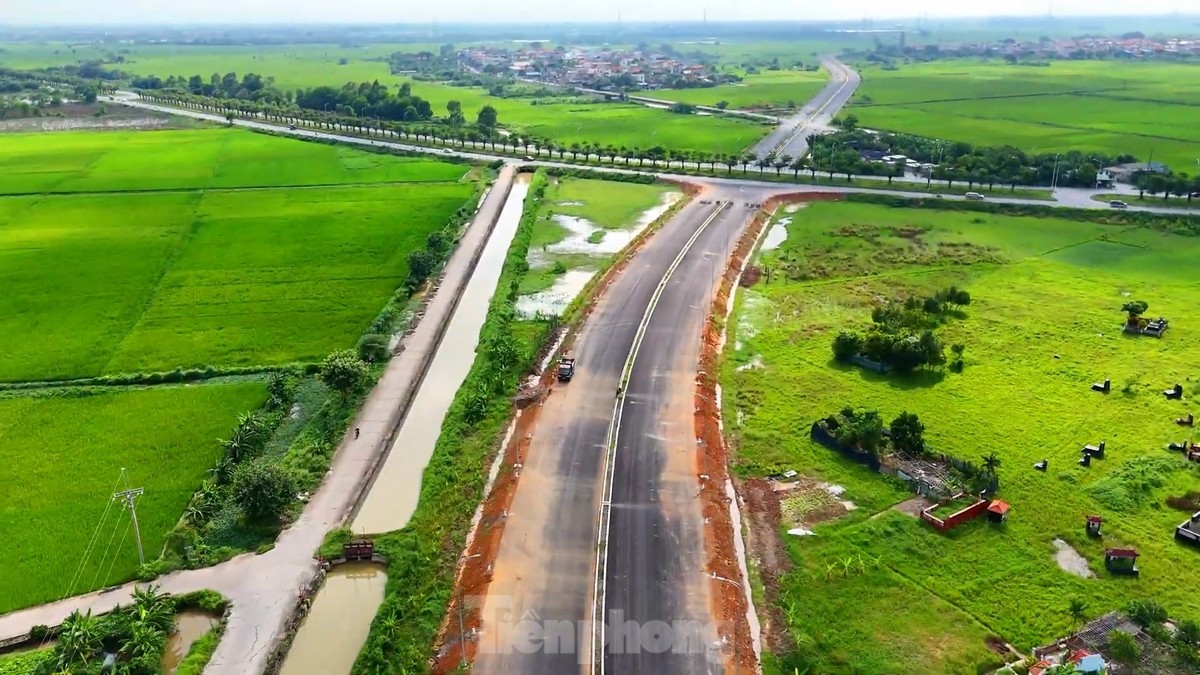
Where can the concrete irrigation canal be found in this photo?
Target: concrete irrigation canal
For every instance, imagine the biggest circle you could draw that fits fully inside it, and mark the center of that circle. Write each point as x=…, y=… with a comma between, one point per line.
x=336, y=628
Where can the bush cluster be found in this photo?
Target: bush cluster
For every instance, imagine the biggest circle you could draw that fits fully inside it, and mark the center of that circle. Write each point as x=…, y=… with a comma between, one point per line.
x=902, y=335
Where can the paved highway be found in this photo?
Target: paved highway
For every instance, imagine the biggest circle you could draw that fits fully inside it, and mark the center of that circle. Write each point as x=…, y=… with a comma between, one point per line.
x=791, y=137
x=652, y=540
x=655, y=572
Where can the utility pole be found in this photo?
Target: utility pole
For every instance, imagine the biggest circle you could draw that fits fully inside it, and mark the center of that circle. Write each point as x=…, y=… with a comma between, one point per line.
x=128, y=495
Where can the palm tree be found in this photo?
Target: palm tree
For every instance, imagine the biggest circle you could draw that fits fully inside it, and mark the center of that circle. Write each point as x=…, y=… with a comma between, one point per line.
x=990, y=463
x=782, y=163
x=746, y=159
x=798, y=165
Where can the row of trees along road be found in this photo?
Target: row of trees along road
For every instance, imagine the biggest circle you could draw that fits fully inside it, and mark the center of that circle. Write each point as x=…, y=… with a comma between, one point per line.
x=1179, y=185
x=370, y=108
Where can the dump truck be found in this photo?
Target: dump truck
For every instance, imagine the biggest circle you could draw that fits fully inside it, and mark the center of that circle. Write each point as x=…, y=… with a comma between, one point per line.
x=566, y=369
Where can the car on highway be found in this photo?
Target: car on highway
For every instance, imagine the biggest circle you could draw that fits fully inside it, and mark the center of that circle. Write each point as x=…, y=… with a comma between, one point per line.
x=975, y=196
x=1118, y=204
x=292, y=127
x=528, y=158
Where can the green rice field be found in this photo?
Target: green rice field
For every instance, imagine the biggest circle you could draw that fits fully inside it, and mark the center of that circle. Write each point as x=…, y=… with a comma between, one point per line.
x=1099, y=106
x=139, y=252
x=880, y=591
x=162, y=275
x=163, y=436
x=774, y=89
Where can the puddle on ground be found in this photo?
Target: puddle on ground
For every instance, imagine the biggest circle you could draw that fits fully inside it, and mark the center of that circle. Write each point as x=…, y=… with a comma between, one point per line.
x=754, y=363
x=776, y=235
x=336, y=627
x=580, y=229
x=554, y=300
x=1070, y=560
x=190, y=625
x=393, y=497
x=746, y=328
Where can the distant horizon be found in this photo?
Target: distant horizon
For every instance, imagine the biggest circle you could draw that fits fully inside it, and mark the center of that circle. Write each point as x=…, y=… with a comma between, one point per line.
x=511, y=13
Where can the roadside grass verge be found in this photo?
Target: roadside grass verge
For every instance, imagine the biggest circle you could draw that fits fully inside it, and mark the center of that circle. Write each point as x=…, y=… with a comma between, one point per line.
x=422, y=557
x=1163, y=202
x=65, y=452
x=1045, y=322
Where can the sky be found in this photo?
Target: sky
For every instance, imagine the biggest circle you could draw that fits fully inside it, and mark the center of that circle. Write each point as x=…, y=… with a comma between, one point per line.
x=520, y=11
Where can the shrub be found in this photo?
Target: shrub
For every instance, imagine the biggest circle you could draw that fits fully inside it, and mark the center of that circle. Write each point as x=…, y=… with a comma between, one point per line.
x=263, y=489
x=1123, y=648
x=373, y=348
x=908, y=433
x=206, y=600
x=421, y=264
x=281, y=386
x=342, y=371
x=1135, y=307
x=39, y=632
x=1146, y=612
x=846, y=345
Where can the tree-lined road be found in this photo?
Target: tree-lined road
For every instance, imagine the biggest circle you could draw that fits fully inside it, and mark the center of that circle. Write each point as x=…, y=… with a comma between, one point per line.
x=1066, y=197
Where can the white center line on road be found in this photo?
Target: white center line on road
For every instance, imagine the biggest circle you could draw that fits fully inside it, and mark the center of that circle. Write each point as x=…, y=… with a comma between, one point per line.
x=614, y=429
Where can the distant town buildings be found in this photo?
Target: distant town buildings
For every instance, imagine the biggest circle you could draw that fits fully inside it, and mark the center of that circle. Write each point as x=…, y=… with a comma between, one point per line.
x=1129, y=46
x=592, y=68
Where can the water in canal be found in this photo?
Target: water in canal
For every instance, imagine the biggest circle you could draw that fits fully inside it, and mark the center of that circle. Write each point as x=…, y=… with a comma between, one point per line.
x=393, y=497
x=337, y=625
x=190, y=625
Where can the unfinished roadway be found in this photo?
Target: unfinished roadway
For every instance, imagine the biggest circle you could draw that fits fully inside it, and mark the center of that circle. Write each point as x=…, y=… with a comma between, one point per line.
x=606, y=527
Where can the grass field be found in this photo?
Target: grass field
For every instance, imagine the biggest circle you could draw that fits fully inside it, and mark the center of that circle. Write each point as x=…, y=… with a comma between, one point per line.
x=159, y=280
x=1098, y=106
x=1044, y=323
x=774, y=89
x=164, y=436
x=195, y=159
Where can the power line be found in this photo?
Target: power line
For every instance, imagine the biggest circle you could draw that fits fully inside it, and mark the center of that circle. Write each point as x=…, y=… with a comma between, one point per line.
x=100, y=563
x=116, y=554
x=87, y=552
x=128, y=495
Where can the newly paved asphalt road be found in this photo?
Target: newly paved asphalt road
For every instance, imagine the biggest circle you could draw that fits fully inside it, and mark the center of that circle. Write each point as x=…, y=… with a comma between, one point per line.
x=655, y=577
